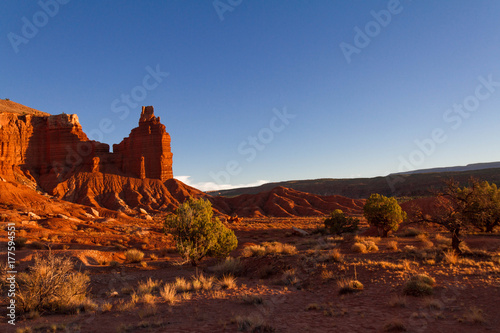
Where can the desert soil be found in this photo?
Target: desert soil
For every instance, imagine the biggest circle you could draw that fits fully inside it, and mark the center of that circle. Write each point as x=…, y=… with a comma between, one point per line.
x=465, y=298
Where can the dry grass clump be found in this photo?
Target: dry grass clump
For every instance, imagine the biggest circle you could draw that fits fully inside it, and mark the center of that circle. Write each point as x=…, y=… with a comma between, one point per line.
x=424, y=240
x=358, y=248
x=231, y=266
x=52, y=284
x=269, y=248
x=433, y=304
x=288, y=278
x=253, y=323
x=202, y=282
x=411, y=232
x=106, y=307
x=328, y=275
x=122, y=305
x=398, y=301
x=279, y=248
x=419, y=285
x=450, y=257
x=134, y=255
x=149, y=310
x=148, y=299
x=169, y=293
x=182, y=285
x=254, y=250
x=148, y=287
x=442, y=240
x=227, y=282
x=368, y=242
x=412, y=251
x=409, y=248
x=313, y=306
x=349, y=286
x=392, y=245
x=252, y=299
x=395, y=325
x=332, y=256
x=474, y=316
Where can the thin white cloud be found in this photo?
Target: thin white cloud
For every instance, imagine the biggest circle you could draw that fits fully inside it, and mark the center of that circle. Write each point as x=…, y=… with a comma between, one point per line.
x=211, y=186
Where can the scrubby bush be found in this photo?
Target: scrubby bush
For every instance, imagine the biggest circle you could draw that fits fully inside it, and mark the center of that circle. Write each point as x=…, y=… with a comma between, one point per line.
x=384, y=213
x=338, y=223
x=197, y=233
x=363, y=244
x=52, y=284
x=419, y=285
x=392, y=245
x=358, y=248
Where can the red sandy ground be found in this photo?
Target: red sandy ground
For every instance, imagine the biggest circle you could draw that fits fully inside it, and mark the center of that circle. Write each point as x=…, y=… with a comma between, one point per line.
x=311, y=305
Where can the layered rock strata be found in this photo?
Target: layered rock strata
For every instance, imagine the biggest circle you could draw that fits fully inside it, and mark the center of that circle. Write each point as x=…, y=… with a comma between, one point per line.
x=50, y=149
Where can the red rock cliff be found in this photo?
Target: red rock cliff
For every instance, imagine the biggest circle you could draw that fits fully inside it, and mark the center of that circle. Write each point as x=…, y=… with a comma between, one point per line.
x=48, y=146
x=50, y=149
x=145, y=153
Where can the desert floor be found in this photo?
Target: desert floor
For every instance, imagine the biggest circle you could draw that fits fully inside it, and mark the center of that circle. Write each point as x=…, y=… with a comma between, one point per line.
x=296, y=290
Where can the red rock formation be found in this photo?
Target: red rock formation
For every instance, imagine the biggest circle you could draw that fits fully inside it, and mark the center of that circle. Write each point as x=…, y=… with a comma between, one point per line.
x=48, y=146
x=53, y=148
x=146, y=152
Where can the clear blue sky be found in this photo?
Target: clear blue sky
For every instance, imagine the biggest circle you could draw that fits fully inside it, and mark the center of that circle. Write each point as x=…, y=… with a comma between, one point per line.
x=226, y=76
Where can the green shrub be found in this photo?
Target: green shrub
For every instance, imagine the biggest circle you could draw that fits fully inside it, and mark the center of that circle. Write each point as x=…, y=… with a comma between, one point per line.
x=338, y=223
x=384, y=213
x=198, y=234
